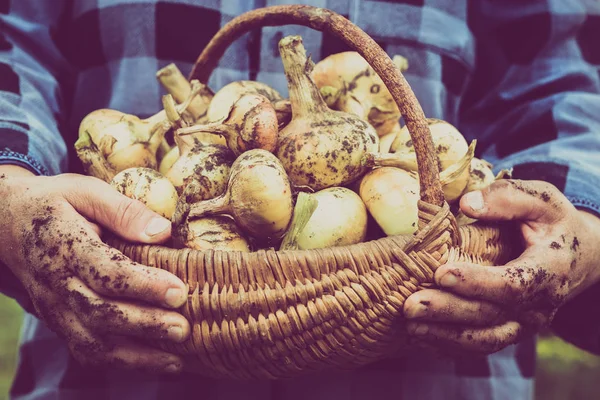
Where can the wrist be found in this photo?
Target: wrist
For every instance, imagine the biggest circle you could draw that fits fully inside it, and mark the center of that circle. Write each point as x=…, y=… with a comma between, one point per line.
x=10, y=171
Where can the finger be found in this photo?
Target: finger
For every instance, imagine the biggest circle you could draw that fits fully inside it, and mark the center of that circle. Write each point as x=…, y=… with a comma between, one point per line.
x=513, y=284
x=108, y=272
x=120, y=318
x=90, y=350
x=508, y=200
x=128, y=218
x=484, y=340
x=431, y=305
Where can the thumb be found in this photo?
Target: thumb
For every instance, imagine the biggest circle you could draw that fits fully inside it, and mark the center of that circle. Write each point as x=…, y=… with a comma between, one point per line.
x=509, y=199
x=101, y=203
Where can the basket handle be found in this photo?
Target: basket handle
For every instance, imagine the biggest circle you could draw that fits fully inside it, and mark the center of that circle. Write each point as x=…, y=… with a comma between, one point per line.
x=325, y=20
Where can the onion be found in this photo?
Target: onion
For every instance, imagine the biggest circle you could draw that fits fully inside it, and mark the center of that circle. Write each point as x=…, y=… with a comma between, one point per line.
x=93, y=161
x=348, y=83
x=258, y=197
x=319, y=148
x=209, y=164
x=180, y=88
x=336, y=217
x=449, y=143
x=251, y=124
x=391, y=196
x=168, y=160
x=149, y=187
x=224, y=99
x=211, y=233
x=385, y=142
x=481, y=175
x=454, y=179
x=125, y=140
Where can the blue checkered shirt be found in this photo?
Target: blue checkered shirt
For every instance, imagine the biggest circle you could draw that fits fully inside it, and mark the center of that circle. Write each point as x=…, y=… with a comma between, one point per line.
x=522, y=77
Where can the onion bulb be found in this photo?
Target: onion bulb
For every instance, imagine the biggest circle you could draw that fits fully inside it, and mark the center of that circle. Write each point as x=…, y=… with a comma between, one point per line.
x=481, y=175
x=168, y=160
x=391, y=196
x=319, y=148
x=224, y=99
x=125, y=140
x=211, y=233
x=251, y=124
x=336, y=217
x=258, y=197
x=348, y=83
x=454, y=179
x=385, y=141
x=149, y=187
x=449, y=143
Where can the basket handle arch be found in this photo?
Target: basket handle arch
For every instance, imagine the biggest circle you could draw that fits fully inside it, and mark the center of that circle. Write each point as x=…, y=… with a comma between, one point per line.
x=325, y=20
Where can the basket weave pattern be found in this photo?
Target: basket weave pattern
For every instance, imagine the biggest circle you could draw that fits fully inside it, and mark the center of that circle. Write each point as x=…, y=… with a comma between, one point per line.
x=274, y=314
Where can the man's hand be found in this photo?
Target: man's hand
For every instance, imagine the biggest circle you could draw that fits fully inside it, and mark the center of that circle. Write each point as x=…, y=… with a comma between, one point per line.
x=98, y=300
x=484, y=309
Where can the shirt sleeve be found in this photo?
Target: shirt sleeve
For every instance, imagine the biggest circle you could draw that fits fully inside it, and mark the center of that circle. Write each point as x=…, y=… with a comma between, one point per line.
x=534, y=104
x=30, y=69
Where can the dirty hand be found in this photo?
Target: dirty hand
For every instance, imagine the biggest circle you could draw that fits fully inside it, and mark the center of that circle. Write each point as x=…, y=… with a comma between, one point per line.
x=98, y=300
x=483, y=309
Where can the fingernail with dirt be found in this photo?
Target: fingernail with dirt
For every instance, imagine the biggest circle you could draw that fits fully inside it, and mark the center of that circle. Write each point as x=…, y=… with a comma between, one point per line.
x=448, y=280
x=418, y=329
x=157, y=226
x=416, y=311
x=474, y=200
x=175, y=333
x=172, y=368
x=175, y=297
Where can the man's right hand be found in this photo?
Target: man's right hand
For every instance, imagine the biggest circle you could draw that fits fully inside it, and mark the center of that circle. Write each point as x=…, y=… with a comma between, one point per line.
x=98, y=300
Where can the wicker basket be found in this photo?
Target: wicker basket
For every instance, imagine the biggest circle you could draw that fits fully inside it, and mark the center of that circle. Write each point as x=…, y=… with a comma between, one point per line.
x=273, y=314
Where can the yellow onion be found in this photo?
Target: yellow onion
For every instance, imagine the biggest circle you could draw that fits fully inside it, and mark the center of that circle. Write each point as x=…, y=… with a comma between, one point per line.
x=454, y=179
x=258, y=197
x=127, y=141
x=211, y=233
x=450, y=145
x=168, y=160
x=224, y=99
x=348, y=83
x=391, y=196
x=481, y=175
x=251, y=124
x=337, y=217
x=385, y=141
x=319, y=148
x=149, y=187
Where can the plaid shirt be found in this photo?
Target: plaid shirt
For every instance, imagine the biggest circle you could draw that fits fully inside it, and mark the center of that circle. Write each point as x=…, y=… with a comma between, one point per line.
x=522, y=77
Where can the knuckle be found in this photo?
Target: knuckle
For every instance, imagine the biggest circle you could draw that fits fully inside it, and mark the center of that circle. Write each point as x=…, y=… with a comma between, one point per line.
x=128, y=210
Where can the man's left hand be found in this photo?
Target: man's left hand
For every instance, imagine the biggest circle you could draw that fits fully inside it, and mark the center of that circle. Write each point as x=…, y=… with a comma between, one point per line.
x=482, y=309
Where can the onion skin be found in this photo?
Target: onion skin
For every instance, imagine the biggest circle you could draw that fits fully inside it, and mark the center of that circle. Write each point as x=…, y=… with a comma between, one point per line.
x=360, y=90
x=258, y=197
x=252, y=124
x=211, y=233
x=168, y=160
x=208, y=164
x=481, y=175
x=449, y=143
x=149, y=187
x=340, y=219
x=224, y=99
x=319, y=148
x=391, y=196
x=385, y=142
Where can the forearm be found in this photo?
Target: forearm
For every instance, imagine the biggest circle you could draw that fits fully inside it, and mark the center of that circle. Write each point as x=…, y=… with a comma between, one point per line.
x=10, y=170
